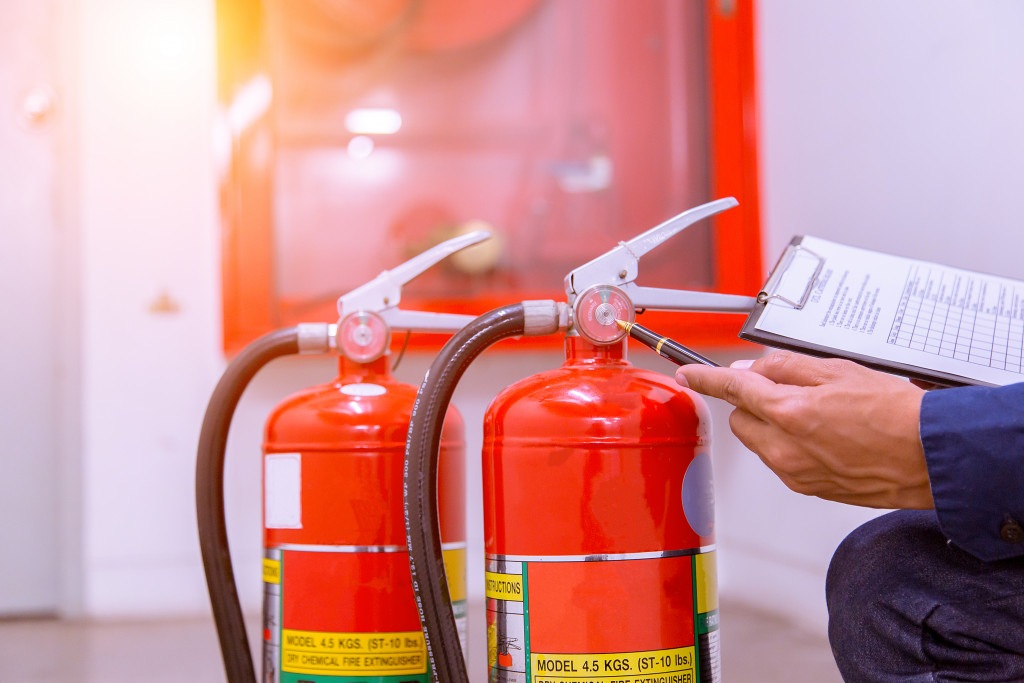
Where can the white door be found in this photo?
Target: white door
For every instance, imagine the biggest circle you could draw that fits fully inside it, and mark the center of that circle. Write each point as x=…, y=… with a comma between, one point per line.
x=29, y=235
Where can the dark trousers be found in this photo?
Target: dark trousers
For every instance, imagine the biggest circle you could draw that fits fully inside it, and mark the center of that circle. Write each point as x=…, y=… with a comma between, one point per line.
x=905, y=605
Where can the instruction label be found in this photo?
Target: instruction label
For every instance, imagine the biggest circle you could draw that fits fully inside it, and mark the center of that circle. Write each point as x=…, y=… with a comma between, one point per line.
x=504, y=586
x=353, y=654
x=675, y=665
x=271, y=571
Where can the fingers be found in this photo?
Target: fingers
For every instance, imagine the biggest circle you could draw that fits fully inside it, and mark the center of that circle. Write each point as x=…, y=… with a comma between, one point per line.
x=778, y=451
x=752, y=432
x=786, y=367
x=744, y=389
x=769, y=444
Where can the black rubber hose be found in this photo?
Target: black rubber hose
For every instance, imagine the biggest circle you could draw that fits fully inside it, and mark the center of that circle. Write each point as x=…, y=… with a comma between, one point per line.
x=213, y=535
x=420, y=490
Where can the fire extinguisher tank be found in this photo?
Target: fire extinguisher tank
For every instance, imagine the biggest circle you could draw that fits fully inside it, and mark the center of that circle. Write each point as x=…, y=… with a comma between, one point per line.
x=599, y=525
x=338, y=598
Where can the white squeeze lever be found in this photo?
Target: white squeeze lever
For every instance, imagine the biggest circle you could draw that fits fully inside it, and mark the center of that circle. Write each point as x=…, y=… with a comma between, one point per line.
x=368, y=313
x=605, y=288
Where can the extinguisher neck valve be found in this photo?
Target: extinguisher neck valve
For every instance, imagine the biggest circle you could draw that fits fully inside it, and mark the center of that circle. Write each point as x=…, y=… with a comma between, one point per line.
x=374, y=372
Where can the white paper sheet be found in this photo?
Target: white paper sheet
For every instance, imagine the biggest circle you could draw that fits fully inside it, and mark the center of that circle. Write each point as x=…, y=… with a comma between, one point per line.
x=904, y=311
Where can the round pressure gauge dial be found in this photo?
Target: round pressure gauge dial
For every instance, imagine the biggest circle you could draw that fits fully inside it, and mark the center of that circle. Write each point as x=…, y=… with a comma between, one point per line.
x=597, y=309
x=363, y=336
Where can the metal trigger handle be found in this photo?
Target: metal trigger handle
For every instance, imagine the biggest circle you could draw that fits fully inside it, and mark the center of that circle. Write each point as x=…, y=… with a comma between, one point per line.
x=621, y=265
x=383, y=293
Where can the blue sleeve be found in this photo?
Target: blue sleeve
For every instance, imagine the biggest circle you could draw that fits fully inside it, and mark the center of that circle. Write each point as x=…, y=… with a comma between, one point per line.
x=973, y=441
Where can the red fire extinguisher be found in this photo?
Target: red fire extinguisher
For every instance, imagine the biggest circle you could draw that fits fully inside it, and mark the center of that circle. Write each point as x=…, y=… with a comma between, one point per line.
x=598, y=497
x=338, y=599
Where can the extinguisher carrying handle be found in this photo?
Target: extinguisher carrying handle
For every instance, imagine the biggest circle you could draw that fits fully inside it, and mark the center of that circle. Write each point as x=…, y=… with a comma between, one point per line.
x=213, y=438
x=620, y=266
x=383, y=293
x=422, y=522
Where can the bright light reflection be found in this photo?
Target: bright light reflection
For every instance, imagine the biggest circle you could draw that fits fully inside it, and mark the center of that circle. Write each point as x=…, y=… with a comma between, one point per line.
x=166, y=41
x=360, y=147
x=581, y=396
x=251, y=103
x=373, y=121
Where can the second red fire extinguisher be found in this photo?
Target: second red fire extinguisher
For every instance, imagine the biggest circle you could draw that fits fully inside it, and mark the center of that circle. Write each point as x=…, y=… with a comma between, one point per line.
x=599, y=508
x=599, y=523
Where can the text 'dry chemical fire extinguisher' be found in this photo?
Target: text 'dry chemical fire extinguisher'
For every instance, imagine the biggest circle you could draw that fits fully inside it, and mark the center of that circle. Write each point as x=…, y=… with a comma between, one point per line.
x=338, y=601
x=598, y=499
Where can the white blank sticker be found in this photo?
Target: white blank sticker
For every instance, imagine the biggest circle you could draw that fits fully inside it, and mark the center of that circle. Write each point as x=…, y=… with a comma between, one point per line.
x=282, y=491
x=363, y=389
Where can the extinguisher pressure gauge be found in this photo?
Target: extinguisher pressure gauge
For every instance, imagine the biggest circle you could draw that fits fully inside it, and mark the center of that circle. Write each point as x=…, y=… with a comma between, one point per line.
x=363, y=336
x=597, y=309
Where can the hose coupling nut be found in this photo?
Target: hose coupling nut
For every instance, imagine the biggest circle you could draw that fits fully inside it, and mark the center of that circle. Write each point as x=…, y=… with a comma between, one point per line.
x=544, y=317
x=316, y=337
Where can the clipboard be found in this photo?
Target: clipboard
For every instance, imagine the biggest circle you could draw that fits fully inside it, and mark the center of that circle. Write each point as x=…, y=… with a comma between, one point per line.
x=800, y=280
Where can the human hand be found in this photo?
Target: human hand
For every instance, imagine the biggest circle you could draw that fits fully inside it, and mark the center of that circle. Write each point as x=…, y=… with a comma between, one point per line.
x=827, y=428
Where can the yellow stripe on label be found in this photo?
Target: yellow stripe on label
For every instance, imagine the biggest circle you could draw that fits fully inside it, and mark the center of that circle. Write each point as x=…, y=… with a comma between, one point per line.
x=353, y=654
x=271, y=571
x=504, y=586
x=706, y=570
x=622, y=667
x=455, y=569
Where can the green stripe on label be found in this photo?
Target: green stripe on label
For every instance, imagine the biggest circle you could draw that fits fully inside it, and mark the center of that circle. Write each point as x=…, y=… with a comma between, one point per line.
x=526, y=619
x=311, y=678
x=696, y=614
x=707, y=622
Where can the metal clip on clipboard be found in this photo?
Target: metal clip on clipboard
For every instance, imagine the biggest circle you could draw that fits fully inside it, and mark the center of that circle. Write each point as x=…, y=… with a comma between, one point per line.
x=770, y=293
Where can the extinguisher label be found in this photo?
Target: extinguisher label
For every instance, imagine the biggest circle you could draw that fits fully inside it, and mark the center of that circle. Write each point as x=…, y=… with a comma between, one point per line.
x=705, y=573
x=271, y=616
x=504, y=586
x=353, y=654
x=347, y=614
x=626, y=618
x=627, y=667
x=271, y=571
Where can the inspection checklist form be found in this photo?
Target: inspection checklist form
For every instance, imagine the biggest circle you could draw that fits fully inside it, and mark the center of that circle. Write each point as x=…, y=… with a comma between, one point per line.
x=893, y=311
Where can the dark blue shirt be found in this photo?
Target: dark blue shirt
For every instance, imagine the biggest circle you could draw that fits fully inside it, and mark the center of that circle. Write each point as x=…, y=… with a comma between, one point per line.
x=973, y=441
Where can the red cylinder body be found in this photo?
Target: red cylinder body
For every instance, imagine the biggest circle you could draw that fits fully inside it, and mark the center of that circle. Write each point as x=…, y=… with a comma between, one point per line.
x=599, y=526
x=338, y=597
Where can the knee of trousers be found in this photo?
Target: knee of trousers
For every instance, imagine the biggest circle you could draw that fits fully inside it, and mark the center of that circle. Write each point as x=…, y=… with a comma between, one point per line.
x=872, y=576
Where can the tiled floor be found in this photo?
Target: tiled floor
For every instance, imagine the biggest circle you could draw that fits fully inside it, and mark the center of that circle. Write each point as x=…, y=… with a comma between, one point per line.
x=757, y=648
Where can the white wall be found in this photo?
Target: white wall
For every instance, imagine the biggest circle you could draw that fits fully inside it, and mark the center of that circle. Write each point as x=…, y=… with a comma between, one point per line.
x=149, y=226
x=148, y=221
x=892, y=125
